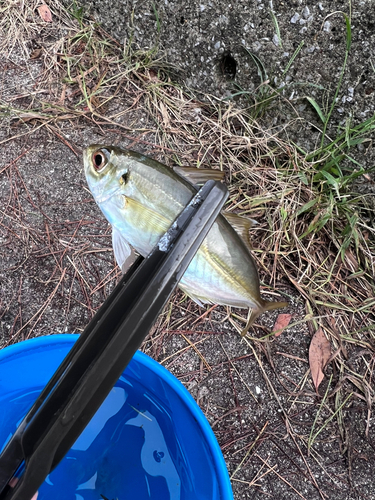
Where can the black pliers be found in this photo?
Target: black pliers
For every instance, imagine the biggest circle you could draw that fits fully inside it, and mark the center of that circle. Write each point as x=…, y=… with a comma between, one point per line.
x=100, y=355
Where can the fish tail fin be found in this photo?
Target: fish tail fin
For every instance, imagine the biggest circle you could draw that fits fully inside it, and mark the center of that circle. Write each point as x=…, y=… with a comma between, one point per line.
x=252, y=316
x=271, y=306
x=254, y=313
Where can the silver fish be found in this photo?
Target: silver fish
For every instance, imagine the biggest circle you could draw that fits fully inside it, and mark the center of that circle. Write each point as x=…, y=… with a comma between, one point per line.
x=141, y=197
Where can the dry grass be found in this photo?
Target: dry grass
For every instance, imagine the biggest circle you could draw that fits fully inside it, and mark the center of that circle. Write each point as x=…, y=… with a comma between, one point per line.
x=314, y=238
x=21, y=26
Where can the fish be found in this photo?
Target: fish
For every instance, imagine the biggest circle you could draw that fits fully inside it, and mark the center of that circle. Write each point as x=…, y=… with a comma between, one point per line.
x=141, y=198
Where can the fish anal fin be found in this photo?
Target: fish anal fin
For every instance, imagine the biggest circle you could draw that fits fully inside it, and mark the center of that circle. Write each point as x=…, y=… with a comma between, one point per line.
x=241, y=225
x=124, y=253
x=198, y=176
x=198, y=300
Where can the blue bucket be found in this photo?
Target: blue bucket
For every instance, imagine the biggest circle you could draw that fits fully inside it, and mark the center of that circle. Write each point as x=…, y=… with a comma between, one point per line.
x=148, y=440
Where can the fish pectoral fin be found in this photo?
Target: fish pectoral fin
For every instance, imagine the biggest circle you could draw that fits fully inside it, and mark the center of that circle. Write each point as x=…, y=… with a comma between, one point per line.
x=197, y=176
x=241, y=225
x=124, y=254
x=146, y=218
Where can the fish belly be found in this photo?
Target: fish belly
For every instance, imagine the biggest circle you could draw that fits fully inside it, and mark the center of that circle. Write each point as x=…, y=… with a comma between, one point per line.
x=209, y=285
x=223, y=271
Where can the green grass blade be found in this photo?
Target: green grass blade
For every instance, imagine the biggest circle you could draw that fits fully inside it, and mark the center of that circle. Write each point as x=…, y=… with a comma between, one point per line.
x=348, y=45
x=348, y=33
x=317, y=108
x=331, y=180
x=290, y=62
x=277, y=29
x=307, y=206
x=317, y=225
x=156, y=14
x=262, y=73
x=312, y=438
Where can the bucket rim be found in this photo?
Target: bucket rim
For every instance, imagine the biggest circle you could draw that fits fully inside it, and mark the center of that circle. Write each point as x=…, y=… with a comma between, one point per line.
x=29, y=345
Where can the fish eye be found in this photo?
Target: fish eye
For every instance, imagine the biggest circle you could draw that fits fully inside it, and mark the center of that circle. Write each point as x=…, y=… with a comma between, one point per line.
x=100, y=159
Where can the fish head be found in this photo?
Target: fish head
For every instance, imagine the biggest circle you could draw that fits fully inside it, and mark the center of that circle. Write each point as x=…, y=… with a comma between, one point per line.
x=105, y=171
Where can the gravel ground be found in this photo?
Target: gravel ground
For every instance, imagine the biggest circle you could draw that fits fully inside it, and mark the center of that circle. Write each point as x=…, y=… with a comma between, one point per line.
x=206, y=41
x=55, y=246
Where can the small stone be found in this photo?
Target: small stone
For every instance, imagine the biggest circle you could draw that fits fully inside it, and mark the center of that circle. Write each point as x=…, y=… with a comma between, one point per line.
x=275, y=40
x=203, y=391
x=327, y=27
x=306, y=12
x=257, y=46
x=295, y=18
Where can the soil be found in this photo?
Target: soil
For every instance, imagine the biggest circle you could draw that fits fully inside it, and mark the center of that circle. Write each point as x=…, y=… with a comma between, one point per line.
x=57, y=266
x=208, y=42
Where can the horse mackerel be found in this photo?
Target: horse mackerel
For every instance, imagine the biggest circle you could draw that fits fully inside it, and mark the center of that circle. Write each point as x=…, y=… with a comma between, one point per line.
x=141, y=198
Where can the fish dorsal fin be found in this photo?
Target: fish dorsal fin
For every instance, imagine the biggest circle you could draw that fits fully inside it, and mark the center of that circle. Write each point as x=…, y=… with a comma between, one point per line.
x=197, y=176
x=124, y=254
x=146, y=218
x=241, y=225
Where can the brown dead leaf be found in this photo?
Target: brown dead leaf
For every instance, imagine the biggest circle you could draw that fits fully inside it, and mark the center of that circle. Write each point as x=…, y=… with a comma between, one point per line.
x=368, y=178
x=153, y=75
x=282, y=321
x=164, y=112
x=45, y=13
x=319, y=354
x=35, y=54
